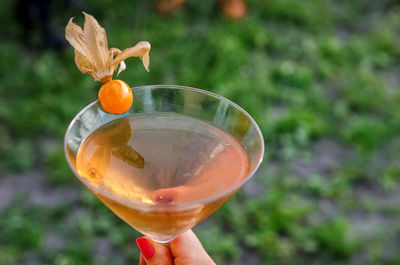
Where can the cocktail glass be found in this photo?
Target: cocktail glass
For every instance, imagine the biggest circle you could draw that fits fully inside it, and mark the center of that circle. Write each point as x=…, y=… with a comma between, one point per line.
x=162, y=222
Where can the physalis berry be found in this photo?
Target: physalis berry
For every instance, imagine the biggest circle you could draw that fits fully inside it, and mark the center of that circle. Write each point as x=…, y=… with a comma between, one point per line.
x=93, y=56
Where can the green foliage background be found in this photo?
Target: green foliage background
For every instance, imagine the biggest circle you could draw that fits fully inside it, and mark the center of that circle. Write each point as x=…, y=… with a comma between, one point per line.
x=321, y=77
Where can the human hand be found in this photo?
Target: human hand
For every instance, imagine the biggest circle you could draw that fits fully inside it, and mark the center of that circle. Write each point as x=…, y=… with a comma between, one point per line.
x=183, y=250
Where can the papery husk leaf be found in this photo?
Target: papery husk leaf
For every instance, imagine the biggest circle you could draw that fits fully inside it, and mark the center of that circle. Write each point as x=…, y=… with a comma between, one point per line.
x=146, y=60
x=74, y=35
x=122, y=67
x=91, y=48
x=92, y=55
x=114, y=52
x=96, y=39
x=83, y=63
x=141, y=49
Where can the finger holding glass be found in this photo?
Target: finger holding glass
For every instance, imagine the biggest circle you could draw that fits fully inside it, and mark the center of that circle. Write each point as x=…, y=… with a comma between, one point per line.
x=185, y=249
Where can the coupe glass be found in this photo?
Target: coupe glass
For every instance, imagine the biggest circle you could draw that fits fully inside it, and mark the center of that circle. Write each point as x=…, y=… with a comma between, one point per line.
x=164, y=222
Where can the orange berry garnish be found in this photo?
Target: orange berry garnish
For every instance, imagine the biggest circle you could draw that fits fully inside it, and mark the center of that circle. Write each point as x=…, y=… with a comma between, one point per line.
x=116, y=97
x=92, y=56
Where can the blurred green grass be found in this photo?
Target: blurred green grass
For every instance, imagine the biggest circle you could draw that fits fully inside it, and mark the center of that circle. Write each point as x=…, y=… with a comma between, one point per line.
x=321, y=77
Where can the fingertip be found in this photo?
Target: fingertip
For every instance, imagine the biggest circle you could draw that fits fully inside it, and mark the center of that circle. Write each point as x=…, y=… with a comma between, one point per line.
x=153, y=253
x=145, y=247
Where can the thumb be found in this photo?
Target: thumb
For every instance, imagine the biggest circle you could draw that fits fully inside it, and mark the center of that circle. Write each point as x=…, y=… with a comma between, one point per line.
x=153, y=253
x=187, y=249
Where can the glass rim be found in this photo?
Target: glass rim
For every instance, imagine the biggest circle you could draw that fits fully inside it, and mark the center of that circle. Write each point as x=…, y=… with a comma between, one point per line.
x=188, y=204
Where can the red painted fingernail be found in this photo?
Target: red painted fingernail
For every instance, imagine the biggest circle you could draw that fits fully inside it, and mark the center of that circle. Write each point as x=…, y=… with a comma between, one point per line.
x=145, y=247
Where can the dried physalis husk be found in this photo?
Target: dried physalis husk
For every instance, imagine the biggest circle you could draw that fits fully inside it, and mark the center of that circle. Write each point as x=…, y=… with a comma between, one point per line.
x=92, y=55
x=129, y=155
